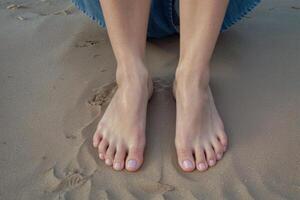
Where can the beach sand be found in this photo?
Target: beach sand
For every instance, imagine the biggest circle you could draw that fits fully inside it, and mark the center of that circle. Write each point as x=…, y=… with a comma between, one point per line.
x=57, y=75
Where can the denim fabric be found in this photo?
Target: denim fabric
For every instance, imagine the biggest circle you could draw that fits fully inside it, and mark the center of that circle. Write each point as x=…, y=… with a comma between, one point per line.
x=164, y=19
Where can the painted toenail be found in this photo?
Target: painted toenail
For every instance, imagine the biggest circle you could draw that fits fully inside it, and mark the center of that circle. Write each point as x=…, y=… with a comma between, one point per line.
x=187, y=164
x=108, y=162
x=131, y=164
x=219, y=156
x=117, y=166
x=202, y=166
x=211, y=162
x=101, y=156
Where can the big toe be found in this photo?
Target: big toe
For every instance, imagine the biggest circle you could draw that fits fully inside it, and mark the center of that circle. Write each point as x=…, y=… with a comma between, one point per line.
x=134, y=159
x=186, y=159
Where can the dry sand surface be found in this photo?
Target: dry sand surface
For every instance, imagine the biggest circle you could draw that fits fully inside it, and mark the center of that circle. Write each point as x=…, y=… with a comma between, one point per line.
x=54, y=64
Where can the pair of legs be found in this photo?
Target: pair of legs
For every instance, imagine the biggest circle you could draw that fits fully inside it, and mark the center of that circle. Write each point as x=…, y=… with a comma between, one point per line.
x=200, y=138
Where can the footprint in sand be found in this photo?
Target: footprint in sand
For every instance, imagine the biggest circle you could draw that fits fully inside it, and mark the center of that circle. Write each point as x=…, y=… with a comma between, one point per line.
x=103, y=95
x=156, y=188
x=15, y=6
x=162, y=84
x=71, y=137
x=87, y=43
x=102, y=195
x=70, y=182
x=67, y=11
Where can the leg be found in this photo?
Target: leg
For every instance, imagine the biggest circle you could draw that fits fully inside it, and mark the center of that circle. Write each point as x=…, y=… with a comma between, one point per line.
x=199, y=128
x=120, y=134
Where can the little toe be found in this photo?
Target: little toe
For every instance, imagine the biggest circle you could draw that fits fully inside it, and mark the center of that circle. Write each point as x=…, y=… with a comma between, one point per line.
x=110, y=154
x=200, y=159
x=186, y=159
x=219, y=149
x=102, y=148
x=210, y=155
x=223, y=139
x=119, y=158
x=134, y=159
x=96, y=139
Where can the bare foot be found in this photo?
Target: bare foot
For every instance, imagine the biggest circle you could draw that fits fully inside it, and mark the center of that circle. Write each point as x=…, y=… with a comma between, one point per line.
x=120, y=135
x=200, y=137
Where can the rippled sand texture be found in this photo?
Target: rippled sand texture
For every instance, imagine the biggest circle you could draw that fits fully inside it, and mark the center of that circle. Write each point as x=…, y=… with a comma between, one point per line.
x=57, y=77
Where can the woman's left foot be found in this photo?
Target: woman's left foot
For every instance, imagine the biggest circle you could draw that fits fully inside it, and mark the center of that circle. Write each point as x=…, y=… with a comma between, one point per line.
x=200, y=137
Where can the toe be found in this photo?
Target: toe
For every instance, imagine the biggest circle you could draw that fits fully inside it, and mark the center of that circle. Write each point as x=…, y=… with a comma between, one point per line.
x=186, y=159
x=119, y=158
x=102, y=148
x=218, y=148
x=135, y=158
x=210, y=155
x=223, y=139
x=200, y=159
x=110, y=154
x=96, y=139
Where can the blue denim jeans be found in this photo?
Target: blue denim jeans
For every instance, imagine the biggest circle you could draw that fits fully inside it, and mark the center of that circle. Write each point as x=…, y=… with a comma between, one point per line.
x=164, y=16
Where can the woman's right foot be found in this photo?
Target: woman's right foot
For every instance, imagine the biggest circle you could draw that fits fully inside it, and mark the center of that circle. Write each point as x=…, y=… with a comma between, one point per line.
x=120, y=135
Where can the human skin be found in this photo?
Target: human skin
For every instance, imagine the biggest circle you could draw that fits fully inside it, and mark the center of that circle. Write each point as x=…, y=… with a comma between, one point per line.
x=120, y=134
x=200, y=137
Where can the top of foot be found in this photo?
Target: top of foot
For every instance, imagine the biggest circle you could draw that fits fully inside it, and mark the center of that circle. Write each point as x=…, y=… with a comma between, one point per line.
x=120, y=134
x=200, y=137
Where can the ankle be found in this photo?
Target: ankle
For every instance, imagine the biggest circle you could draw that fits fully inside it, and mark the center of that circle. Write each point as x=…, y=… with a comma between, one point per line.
x=190, y=75
x=134, y=75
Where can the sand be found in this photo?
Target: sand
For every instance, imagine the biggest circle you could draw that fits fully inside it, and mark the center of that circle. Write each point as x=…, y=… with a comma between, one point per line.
x=57, y=75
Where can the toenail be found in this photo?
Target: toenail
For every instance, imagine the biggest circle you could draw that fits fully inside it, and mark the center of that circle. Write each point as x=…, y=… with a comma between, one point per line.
x=187, y=164
x=108, y=162
x=211, y=162
x=131, y=164
x=101, y=156
x=219, y=156
x=117, y=166
x=202, y=166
